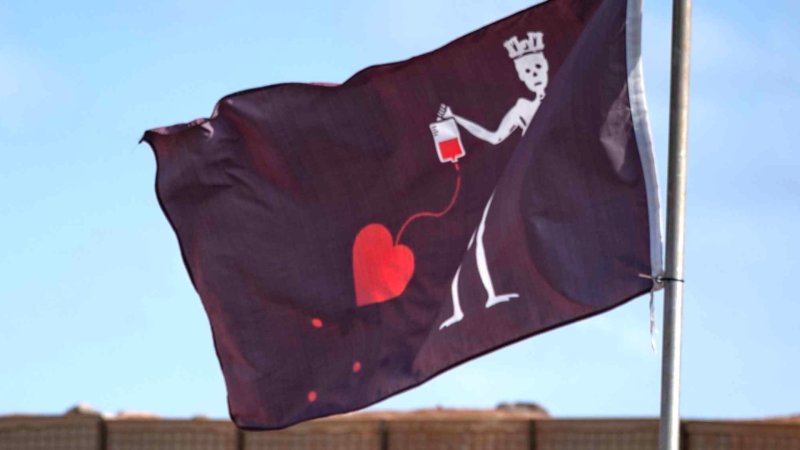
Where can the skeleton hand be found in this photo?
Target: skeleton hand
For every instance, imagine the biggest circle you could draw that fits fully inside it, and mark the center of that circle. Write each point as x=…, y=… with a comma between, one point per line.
x=444, y=112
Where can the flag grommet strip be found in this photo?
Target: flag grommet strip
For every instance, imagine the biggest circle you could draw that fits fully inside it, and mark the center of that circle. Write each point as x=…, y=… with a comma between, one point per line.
x=643, y=134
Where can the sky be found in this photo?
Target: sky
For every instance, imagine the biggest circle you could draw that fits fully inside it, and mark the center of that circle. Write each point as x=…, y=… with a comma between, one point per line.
x=95, y=303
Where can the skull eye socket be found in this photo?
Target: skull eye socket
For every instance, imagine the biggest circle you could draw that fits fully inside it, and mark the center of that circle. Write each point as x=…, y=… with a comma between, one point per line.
x=538, y=66
x=527, y=70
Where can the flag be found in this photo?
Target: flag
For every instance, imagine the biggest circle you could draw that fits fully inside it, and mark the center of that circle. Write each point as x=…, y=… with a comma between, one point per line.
x=352, y=241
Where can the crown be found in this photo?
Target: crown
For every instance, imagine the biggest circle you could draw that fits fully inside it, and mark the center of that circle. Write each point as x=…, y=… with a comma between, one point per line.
x=533, y=44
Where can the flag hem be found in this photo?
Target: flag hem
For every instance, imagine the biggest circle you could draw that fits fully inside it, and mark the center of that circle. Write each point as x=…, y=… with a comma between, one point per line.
x=644, y=139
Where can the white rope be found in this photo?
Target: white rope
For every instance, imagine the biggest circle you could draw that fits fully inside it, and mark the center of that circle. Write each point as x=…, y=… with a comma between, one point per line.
x=657, y=283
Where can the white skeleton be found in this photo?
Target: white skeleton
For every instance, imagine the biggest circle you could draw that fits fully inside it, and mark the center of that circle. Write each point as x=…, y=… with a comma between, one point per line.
x=532, y=68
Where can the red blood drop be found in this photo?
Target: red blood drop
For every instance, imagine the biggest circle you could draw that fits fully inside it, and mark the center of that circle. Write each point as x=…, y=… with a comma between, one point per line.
x=312, y=396
x=357, y=367
x=317, y=323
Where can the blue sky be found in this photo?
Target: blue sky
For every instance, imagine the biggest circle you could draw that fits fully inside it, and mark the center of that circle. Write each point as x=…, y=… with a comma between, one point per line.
x=95, y=304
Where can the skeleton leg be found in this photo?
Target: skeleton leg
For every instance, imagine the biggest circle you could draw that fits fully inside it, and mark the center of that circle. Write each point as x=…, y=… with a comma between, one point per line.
x=458, y=314
x=483, y=268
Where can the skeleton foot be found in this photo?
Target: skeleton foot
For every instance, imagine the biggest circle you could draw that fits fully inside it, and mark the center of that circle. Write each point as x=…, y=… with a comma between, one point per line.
x=499, y=299
x=455, y=319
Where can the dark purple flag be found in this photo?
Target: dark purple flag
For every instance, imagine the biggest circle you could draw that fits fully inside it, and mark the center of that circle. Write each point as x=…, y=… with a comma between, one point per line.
x=350, y=242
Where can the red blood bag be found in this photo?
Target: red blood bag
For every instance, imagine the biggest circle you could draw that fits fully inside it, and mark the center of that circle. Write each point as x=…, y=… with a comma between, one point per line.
x=447, y=139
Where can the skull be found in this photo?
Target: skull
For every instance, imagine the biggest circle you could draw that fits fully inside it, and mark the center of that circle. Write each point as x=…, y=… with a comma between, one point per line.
x=532, y=70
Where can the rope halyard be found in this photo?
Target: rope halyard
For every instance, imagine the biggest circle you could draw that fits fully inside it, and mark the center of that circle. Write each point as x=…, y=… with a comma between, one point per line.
x=658, y=282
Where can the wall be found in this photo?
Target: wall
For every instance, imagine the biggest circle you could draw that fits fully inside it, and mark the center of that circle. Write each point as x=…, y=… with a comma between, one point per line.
x=398, y=433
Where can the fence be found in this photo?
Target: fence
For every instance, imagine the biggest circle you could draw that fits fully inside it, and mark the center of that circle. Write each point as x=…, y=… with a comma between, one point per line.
x=403, y=432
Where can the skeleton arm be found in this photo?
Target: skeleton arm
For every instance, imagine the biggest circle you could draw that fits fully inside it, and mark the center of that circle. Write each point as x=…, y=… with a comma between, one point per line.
x=511, y=121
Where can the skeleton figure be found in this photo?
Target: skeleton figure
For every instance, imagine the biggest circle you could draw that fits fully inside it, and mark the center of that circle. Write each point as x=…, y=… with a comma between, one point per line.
x=532, y=68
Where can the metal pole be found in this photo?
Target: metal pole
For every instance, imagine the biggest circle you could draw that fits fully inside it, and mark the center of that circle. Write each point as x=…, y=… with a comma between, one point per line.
x=669, y=437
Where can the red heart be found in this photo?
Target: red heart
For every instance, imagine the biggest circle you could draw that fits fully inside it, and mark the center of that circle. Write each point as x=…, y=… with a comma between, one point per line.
x=381, y=269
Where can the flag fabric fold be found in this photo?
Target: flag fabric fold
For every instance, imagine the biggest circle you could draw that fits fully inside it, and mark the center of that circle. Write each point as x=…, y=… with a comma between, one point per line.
x=351, y=241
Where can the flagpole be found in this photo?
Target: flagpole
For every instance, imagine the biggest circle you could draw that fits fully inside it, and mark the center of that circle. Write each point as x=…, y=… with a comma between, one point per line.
x=669, y=436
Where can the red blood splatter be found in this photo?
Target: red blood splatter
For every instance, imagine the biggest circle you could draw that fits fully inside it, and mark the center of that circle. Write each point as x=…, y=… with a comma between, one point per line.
x=312, y=396
x=357, y=367
x=316, y=322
